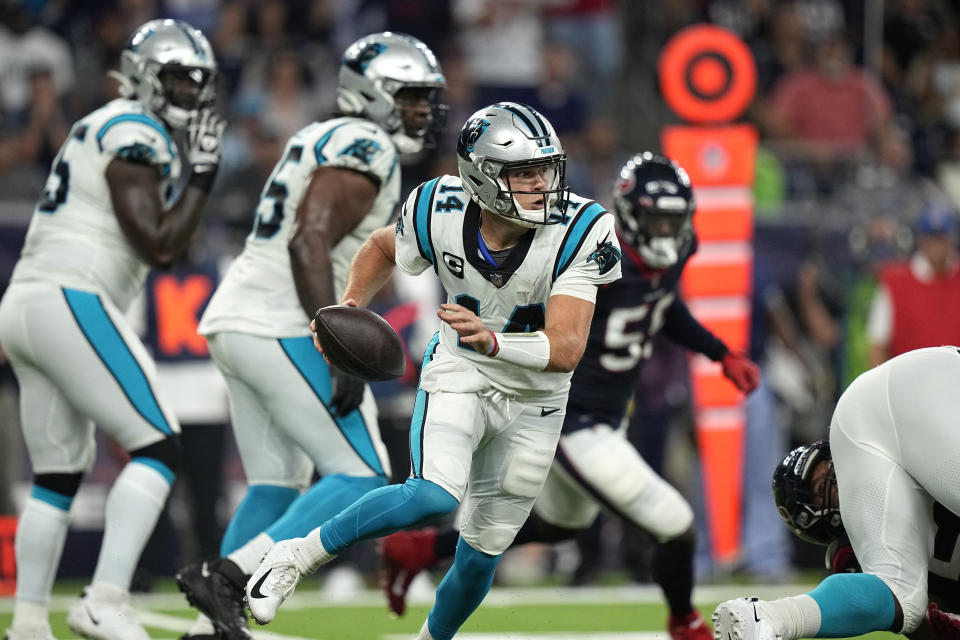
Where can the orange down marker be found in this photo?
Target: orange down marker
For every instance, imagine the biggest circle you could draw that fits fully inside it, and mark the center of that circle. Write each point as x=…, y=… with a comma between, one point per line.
x=708, y=77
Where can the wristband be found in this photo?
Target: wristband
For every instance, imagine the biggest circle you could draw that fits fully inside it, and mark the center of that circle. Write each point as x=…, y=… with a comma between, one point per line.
x=493, y=347
x=202, y=180
x=527, y=350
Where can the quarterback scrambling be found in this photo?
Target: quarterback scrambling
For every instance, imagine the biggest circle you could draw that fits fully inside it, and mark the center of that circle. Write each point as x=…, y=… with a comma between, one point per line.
x=520, y=258
x=109, y=212
x=596, y=466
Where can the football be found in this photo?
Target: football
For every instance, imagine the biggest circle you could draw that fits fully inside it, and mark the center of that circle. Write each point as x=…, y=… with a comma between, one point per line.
x=360, y=343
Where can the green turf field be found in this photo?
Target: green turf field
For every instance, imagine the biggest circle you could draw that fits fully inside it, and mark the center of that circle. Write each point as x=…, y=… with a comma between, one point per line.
x=613, y=613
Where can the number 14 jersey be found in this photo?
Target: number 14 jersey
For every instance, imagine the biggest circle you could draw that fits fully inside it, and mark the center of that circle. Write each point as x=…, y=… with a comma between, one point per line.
x=439, y=228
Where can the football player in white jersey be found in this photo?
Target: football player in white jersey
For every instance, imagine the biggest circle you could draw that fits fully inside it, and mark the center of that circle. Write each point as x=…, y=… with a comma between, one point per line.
x=336, y=183
x=520, y=258
x=893, y=451
x=111, y=209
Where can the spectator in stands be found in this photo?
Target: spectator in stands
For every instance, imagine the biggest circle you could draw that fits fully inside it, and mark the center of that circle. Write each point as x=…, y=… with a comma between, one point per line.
x=918, y=300
x=502, y=44
x=592, y=29
x=832, y=110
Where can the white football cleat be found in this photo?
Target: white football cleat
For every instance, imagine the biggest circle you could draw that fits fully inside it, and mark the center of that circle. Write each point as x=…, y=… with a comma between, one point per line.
x=102, y=620
x=274, y=580
x=30, y=632
x=744, y=619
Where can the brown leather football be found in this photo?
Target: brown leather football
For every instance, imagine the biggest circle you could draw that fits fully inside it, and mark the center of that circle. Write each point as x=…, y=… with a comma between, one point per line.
x=361, y=343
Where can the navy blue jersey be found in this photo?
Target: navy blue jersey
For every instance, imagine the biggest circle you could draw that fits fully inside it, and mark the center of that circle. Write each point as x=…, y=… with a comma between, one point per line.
x=628, y=313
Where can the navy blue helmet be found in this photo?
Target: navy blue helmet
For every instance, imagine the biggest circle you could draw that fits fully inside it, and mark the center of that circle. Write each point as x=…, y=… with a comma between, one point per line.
x=653, y=205
x=808, y=511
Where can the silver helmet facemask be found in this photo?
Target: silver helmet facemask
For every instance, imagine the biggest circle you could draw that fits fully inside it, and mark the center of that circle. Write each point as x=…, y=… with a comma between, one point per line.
x=383, y=77
x=502, y=139
x=169, y=67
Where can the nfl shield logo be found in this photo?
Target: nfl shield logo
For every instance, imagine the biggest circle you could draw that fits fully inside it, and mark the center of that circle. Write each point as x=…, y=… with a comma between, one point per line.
x=496, y=279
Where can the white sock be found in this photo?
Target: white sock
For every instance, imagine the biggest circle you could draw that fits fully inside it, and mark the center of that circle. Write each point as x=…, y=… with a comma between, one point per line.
x=424, y=633
x=248, y=556
x=107, y=592
x=310, y=553
x=29, y=615
x=202, y=627
x=799, y=615
x=38, y=546
x=133, y=506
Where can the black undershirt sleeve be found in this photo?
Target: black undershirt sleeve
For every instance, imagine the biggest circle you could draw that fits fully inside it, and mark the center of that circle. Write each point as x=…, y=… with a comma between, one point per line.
x=681, y=327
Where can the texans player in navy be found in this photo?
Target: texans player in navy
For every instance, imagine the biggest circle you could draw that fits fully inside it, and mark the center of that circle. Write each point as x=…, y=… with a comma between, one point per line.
x=595, y=465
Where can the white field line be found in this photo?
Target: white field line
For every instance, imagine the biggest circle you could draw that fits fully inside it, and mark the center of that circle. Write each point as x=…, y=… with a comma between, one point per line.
x=181, y=625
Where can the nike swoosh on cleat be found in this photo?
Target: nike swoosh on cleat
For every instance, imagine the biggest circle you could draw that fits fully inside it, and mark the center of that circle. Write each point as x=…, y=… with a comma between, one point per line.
x=204, y=571
x=90, y=613
x=256, y=593
x=546, y=412
x=755, y=616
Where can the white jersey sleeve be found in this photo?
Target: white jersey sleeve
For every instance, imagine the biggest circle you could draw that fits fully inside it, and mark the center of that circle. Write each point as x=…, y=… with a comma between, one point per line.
x=75, y=239
x=258, y=294
x=137, y=138
x=413, y=255
x=590, y=255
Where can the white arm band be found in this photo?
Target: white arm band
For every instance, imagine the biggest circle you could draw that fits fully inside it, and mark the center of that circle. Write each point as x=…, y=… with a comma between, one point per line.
x=527, y=350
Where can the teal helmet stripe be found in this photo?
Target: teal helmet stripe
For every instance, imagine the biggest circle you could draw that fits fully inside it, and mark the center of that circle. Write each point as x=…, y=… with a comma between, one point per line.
x=193, y=42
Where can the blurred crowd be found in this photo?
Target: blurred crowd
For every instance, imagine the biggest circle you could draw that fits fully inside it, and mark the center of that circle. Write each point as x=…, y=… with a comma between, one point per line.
x=858, y=109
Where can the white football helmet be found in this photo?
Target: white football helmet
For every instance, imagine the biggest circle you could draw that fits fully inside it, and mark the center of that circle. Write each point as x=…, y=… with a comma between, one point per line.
x=170, y=68
x=375, y=68
x=507, y=136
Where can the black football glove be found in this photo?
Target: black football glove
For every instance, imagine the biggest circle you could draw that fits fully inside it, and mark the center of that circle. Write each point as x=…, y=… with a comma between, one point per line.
x=347, y=392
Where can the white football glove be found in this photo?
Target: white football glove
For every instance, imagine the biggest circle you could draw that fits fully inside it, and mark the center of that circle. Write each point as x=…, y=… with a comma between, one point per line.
x=205, y=140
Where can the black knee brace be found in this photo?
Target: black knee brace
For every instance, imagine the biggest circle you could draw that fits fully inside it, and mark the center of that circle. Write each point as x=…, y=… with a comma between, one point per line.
x=66, y=484
x=168, y=452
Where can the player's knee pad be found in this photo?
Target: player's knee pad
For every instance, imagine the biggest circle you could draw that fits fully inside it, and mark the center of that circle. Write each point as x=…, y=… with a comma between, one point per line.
x=64, y=486
x=167, y=452
x=490, y=538
x=525, y=471
x=429, y=500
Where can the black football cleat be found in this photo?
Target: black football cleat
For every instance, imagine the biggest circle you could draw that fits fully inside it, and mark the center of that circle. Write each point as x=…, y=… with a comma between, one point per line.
x=216, y=588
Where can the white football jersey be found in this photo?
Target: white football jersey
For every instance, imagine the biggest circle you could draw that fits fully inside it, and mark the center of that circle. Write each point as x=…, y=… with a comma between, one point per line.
x=74, y=239
x=258, y=295
x=439, y=227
